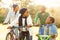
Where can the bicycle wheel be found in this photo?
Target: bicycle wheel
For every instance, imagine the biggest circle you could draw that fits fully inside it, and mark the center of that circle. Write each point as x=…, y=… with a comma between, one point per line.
x=41, y=38
x=10, y=36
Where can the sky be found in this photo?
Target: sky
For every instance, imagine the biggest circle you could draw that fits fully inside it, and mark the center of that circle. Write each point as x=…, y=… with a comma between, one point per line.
x=47, y=3
x=5, y=3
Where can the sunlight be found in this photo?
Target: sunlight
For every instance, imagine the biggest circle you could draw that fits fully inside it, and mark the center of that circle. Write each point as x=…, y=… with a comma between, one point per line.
x=48, y=3
x=6, y=3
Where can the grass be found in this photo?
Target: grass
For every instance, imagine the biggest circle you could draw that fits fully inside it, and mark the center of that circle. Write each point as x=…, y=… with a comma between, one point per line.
x=1, y=19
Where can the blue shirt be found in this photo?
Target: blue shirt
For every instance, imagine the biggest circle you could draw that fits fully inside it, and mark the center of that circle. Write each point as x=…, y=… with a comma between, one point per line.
x=52, y=27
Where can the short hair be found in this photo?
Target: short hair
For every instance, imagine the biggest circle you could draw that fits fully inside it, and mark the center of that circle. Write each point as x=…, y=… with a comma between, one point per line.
x=52, y=19
x=15, y=5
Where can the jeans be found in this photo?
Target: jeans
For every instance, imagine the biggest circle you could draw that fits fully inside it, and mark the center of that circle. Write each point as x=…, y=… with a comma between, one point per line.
x=16, y=32
x=24, y=34
x=30, y=37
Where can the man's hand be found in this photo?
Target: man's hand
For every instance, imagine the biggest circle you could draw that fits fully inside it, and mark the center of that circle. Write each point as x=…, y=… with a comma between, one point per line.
x=36, y=25
x=4, y=23
x=9, y=27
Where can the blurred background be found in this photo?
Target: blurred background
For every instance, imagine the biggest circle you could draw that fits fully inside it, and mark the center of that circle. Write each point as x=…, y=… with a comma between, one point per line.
x=53, y=7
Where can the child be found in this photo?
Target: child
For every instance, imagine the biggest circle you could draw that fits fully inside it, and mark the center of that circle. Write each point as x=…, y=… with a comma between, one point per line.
x=49, y=28
x=24, y=21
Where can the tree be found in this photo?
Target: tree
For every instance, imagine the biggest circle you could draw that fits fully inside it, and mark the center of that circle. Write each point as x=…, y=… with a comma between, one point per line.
x=0, y=0
x=24, y=3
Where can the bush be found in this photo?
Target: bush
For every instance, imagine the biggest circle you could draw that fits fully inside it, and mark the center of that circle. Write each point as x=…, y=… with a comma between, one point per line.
x=58, y=25
x=1, y=19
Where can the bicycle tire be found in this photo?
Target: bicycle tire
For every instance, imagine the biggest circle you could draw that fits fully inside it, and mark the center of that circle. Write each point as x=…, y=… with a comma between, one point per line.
x=7, y=37
x=40, y=37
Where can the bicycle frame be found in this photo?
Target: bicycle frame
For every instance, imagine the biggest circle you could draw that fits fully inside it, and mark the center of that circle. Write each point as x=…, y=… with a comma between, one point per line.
x=19, y=29
x=41, y=37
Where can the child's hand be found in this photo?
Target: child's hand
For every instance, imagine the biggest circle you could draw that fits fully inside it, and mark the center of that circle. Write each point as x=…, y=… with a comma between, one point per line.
x=36, y=24
x=53, y=36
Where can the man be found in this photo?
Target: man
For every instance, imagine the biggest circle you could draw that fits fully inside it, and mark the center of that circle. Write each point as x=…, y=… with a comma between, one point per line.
x=49, y=28
x=12, y=14
x=24, y=20
x=42, y=15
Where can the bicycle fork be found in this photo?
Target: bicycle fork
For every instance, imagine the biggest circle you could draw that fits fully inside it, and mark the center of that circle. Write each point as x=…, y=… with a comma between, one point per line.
x=40, y=37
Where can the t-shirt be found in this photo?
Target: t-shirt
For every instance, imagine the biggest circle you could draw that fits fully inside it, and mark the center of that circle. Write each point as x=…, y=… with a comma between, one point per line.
x=41, y=17
x=49, y=29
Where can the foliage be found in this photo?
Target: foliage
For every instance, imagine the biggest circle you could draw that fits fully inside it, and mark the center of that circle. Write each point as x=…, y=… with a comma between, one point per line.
x=58, y=25
x=2, y=19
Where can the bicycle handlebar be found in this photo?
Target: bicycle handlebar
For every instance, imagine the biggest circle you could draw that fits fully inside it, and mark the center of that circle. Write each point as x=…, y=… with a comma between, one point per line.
x=41, y=37
x=44, y=35
x=19, y=27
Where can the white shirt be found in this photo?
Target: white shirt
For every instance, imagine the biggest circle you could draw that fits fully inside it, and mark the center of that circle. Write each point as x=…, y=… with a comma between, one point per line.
x=11, y=16
x=15, y=22
x=29, y=22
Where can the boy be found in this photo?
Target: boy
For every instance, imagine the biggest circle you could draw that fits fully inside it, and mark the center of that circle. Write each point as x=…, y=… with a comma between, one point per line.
x=49, y=28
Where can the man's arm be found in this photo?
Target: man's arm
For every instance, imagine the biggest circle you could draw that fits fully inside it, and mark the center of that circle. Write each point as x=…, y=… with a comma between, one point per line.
x=36, y=19
x=7, y=18
x=15, y=22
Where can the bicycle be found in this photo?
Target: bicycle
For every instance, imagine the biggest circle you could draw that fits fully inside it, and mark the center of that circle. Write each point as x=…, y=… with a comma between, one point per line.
x=23, y=29
x=43, y=37
x=11, y=35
